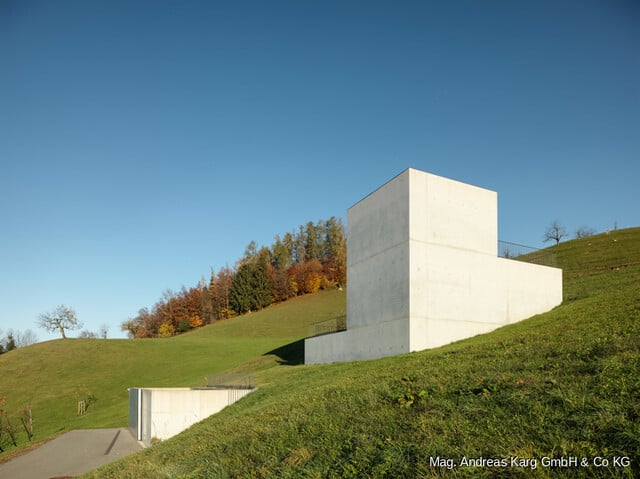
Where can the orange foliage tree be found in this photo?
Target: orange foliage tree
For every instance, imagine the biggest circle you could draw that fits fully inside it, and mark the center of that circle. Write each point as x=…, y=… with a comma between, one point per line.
x=309, y=258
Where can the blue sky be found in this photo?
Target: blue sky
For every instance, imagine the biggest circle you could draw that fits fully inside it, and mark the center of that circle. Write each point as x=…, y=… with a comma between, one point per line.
x=144, y=142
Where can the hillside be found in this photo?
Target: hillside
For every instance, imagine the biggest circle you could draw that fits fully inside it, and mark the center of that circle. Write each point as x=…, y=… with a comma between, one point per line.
x=53, y=376
x=560, y=385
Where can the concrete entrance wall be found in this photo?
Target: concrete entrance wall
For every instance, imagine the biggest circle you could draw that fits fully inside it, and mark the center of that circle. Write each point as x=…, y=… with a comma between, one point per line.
x=423, y=271
x=164, y=412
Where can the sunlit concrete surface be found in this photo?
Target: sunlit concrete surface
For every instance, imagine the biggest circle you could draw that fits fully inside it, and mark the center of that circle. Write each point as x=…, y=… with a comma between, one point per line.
x=423, y=271
x=161, y=413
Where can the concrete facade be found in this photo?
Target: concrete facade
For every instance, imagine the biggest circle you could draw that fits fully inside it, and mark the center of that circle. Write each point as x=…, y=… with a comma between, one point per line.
x=423, y=271
x=162, y=413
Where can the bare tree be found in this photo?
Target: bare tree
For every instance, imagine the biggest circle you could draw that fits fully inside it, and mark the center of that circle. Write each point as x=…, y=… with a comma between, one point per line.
x=60, y=319
x=25, y=338
x=555, y=231
x=86, y=334
x=584, y=232
x=104, y=330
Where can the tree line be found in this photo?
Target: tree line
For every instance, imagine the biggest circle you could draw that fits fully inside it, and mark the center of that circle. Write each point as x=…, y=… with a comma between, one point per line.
x=556, y=231
x=310, y=258
x=16, y=339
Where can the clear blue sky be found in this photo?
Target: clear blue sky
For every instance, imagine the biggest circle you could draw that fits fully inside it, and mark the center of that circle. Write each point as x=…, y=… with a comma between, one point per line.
x=144, y=142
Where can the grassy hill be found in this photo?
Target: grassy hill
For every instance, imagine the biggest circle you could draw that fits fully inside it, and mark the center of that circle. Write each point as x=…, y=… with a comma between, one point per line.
x=560, y=385
x=53, y=376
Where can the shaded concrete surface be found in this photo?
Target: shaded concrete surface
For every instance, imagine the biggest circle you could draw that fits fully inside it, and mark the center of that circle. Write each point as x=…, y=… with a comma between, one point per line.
x=72, y=454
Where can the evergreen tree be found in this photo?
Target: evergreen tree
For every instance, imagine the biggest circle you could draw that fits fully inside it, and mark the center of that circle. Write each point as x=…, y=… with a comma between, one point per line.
x=252, y=285
x=313, y=241
x=263, y=279
x=289, y=242
x=11, y=343
x=280, y=254
x=299, y=246
x=241, y=294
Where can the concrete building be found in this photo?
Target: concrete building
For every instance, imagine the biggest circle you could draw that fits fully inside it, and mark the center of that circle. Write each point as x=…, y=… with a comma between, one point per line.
x=423, y=271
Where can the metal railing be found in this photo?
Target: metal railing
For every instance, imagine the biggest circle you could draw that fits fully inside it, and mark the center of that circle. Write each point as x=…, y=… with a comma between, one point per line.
x=231, y=381
x=527, y=254
x=333, y=325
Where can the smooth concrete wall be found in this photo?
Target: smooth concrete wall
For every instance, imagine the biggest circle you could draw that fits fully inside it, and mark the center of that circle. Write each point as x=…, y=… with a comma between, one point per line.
x=451, y=213
x=488, y=292
x=165, y=412
x=423, y=271
x=531, y=288
x=453, y=246
x=378, y=255
x=367, y=342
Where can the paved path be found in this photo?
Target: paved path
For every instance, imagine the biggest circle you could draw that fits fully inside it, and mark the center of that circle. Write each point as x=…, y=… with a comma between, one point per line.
x=71, y=454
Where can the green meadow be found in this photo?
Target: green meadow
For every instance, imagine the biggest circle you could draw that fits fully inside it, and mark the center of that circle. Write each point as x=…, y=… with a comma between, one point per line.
x=53, y=376
x=526, y=400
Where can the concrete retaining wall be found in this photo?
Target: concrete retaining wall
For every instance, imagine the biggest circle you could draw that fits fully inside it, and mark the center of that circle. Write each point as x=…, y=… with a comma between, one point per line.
x=164, y=412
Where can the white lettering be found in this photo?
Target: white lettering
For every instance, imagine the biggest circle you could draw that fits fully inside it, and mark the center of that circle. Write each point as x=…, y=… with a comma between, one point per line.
x=559, y=461
x=483, y=462
x=621, y=461
x=441, y=462
x=524, y=462
x=600, y=462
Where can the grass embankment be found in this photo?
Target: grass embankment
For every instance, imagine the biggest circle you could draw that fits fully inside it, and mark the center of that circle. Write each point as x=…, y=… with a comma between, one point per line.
x=562, y=385
x=55, y=375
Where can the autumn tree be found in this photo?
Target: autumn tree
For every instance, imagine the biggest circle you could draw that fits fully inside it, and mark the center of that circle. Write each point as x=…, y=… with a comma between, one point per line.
x=307, y=277
x=335, y=262
x=555, y=231
x=144, y=325
x=310, y=257
x=220, y=288
x=280, y=263
x=206, y=303
x=59, y=320
x=166, y=330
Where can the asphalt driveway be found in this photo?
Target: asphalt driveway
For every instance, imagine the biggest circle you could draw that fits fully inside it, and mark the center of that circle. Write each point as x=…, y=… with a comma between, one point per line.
x=71, y=454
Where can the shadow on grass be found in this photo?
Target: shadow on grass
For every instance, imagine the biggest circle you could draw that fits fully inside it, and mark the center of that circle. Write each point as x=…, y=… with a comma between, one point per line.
x=290, y=354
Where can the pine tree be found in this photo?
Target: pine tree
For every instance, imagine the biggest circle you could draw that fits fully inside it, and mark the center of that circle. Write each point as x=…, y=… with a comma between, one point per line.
x=11, y=343
x=280, y=254
x=241, y=293
x=252, y=285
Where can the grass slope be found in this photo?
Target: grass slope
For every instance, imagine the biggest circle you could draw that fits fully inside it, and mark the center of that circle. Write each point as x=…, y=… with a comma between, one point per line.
x=563, y=383
x=560, y=385
x=55, y=375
